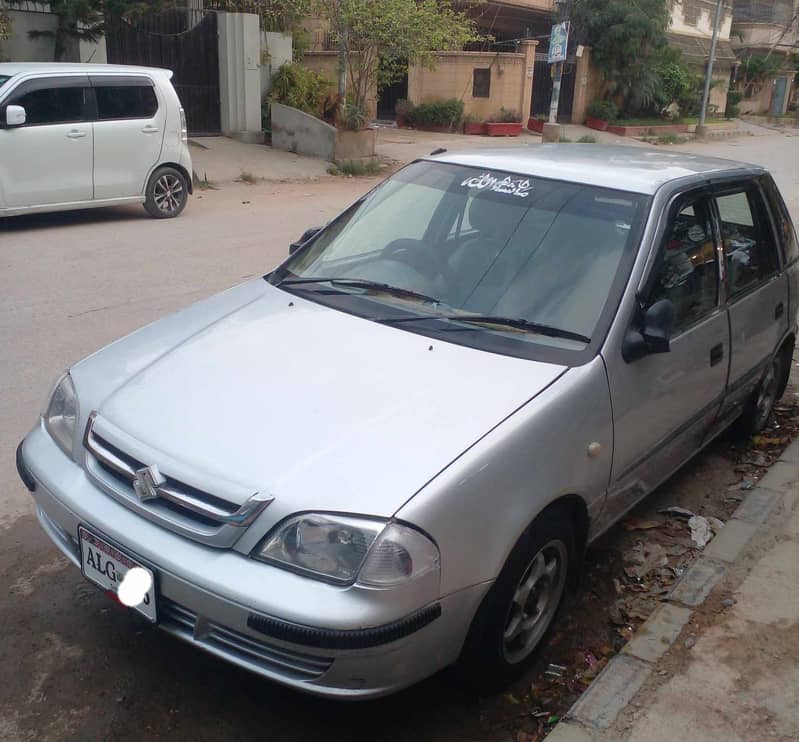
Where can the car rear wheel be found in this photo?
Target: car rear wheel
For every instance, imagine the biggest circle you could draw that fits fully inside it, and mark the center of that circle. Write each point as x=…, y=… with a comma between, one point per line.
x=758, y=409
x=522, y=604
x=166, y=194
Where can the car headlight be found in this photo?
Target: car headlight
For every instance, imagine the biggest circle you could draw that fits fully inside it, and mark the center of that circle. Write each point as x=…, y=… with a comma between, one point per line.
x=342, y=549
x=61, y=415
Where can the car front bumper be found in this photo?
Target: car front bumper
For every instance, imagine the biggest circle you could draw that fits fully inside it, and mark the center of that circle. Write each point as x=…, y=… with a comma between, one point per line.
x=200, y=602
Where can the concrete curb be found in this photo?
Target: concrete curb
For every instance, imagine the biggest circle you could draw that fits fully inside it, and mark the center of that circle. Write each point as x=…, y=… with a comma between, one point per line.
x=616, y=686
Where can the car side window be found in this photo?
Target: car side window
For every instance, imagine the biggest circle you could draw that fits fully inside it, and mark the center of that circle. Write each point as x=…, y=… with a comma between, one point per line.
x=125, y=102
x=749, y=247
x=58, y=105
x=688, y=272
x=790, y=243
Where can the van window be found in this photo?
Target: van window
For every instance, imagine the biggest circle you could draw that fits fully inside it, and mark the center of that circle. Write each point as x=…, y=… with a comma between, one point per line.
x=61, y=105
x=125, y=102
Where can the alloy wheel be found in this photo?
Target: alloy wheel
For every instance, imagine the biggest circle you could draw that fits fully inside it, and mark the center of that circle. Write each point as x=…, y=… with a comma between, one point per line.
x=168, y=193
x=535, y=601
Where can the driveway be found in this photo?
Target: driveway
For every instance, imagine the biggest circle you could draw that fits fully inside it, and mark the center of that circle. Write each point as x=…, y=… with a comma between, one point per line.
x=78, y=667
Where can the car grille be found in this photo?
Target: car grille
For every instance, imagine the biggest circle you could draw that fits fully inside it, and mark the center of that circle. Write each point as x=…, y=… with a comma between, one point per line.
x=196, y=513
x=244, y=650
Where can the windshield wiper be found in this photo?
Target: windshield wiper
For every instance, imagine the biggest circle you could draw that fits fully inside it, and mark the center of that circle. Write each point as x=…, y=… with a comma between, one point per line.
x=487, y=319
x=360, y=283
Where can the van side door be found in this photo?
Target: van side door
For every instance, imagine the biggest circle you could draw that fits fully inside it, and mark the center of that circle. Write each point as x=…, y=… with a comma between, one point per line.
x=48, y=159
x=128, y=133
x=757, y=289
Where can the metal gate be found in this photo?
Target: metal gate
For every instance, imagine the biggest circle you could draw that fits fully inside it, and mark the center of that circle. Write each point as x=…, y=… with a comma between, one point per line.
x=542, y=89
x=184, y=41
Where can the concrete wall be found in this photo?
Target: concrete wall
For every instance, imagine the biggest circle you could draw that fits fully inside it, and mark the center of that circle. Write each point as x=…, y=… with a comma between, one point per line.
x=240, y=75
x=276, y=50
x=511, y=80
x=587, y=86
x=296, y=131
x=21, y=48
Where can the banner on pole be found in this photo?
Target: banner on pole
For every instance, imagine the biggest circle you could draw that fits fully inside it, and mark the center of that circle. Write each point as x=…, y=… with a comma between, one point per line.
x=558, y=43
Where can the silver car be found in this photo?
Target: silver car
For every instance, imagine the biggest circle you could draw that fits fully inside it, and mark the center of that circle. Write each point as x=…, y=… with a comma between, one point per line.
x=388, y=455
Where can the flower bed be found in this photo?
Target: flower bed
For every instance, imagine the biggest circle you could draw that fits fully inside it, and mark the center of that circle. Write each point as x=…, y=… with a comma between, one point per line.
x=503, y=129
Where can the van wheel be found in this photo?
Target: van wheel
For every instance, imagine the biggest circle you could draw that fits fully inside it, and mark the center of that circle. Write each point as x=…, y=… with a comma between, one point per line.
x=521, y=606
x=166, y=194
x=759, y=407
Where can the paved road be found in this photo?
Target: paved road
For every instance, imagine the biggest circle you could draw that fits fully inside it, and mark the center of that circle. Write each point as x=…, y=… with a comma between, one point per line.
x=69, y=284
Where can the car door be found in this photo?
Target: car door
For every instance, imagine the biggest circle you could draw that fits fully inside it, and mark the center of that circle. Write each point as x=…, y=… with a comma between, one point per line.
x=128, y=133
x=48, y=159
x=664, y=403
x=757, y=290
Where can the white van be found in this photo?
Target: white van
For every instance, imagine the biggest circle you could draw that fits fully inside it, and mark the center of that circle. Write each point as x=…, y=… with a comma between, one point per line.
x=76, y=136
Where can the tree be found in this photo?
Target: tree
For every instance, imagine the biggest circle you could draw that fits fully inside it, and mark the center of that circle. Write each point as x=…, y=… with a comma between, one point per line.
x=627, y=42
x=379, y=38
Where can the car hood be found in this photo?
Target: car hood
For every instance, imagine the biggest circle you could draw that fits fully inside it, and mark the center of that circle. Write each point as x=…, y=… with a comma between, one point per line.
x=323, y=410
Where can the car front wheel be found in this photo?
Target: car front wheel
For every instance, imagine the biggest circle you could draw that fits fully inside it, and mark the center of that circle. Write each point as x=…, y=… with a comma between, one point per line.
x=166, y=194
x=522, y=604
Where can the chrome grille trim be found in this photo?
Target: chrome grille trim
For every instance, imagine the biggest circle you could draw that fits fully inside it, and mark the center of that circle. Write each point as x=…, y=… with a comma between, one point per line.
x=192, y=512
x=236, y=647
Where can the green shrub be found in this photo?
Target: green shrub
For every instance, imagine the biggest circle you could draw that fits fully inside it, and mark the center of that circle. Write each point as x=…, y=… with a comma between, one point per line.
x=356, y=168
x=733, y=107
x=297, y=86
x=565, y=140
x=587, y=139
x=403, y=107
x=445, y=113
x=671, y=139
x=506, y=116
x=605, y=110
x=353, y=117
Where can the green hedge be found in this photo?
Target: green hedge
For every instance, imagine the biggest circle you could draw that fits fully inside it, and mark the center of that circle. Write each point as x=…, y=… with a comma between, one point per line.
x=445, y=113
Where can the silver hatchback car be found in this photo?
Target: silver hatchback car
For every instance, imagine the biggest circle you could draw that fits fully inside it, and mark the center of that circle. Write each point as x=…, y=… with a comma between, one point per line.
x=388, y=455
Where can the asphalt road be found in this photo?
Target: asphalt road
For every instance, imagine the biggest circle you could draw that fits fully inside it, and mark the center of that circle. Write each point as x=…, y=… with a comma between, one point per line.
x=74, y=665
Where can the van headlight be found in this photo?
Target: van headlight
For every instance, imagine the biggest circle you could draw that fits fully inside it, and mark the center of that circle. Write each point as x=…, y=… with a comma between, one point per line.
x=61, y=415
x=343, y=549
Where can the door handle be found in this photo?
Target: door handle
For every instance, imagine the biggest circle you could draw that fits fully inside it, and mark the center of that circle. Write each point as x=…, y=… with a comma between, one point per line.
x=779, y=310
x=150, y=130
x=716, y=354
x=76, y=134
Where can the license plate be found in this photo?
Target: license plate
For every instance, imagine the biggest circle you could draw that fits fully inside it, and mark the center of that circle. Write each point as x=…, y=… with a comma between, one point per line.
x=106, y=566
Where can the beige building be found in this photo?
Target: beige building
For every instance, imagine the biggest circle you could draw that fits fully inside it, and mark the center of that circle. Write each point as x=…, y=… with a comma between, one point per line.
x=691, y=32
x=768, y=29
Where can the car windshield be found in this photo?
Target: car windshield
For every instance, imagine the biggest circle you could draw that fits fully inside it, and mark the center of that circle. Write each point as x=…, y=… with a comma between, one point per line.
x=464, y=250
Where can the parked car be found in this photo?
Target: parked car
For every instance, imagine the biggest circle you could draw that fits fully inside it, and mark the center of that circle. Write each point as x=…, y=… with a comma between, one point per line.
x=77, y=136
x=388, y=455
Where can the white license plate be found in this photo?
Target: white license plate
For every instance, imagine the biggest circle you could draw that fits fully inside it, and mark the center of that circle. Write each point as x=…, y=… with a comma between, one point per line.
x=106, y=566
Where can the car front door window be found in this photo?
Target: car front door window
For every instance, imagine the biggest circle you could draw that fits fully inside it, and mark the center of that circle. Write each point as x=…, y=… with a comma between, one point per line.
x=688, y=272
x=58, y=105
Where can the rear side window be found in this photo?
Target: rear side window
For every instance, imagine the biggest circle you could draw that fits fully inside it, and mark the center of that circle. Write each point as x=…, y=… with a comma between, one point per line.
x=748, y=243
x=125, y=102
x=61, y=105
x=782, y=219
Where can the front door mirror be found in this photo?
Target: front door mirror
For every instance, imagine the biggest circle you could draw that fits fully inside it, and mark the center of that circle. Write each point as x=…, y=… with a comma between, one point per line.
x=15, y=116
x=654, y=334
x=307, y=236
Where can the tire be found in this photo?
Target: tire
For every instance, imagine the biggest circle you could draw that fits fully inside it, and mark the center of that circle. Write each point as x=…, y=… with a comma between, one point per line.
x=760, y=405
x=167, y=193
x=498, y=647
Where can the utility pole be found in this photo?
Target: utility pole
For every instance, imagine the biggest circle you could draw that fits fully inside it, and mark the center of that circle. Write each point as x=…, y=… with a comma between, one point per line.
x=701, y=129
x=551, y=128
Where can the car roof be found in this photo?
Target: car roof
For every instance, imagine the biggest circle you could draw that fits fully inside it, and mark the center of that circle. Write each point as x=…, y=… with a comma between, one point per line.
x=59, y=68
x=625, y=168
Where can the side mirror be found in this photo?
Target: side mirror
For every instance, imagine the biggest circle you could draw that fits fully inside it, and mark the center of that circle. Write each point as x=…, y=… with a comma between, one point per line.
x=654, y=334
x=15, y=116
x=307, y=236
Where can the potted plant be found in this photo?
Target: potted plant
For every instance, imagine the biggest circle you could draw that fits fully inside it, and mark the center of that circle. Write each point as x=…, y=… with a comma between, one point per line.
x=506, y=123
x=536, y=123
x=403, y=109
x=473, y=124
x=600, y=113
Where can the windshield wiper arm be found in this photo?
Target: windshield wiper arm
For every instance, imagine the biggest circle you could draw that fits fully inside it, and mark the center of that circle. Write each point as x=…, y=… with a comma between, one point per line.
x=487, y=319
x=360, y=283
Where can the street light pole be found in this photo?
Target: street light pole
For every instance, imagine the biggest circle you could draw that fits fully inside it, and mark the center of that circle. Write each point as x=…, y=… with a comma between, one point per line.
x=700, y=129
